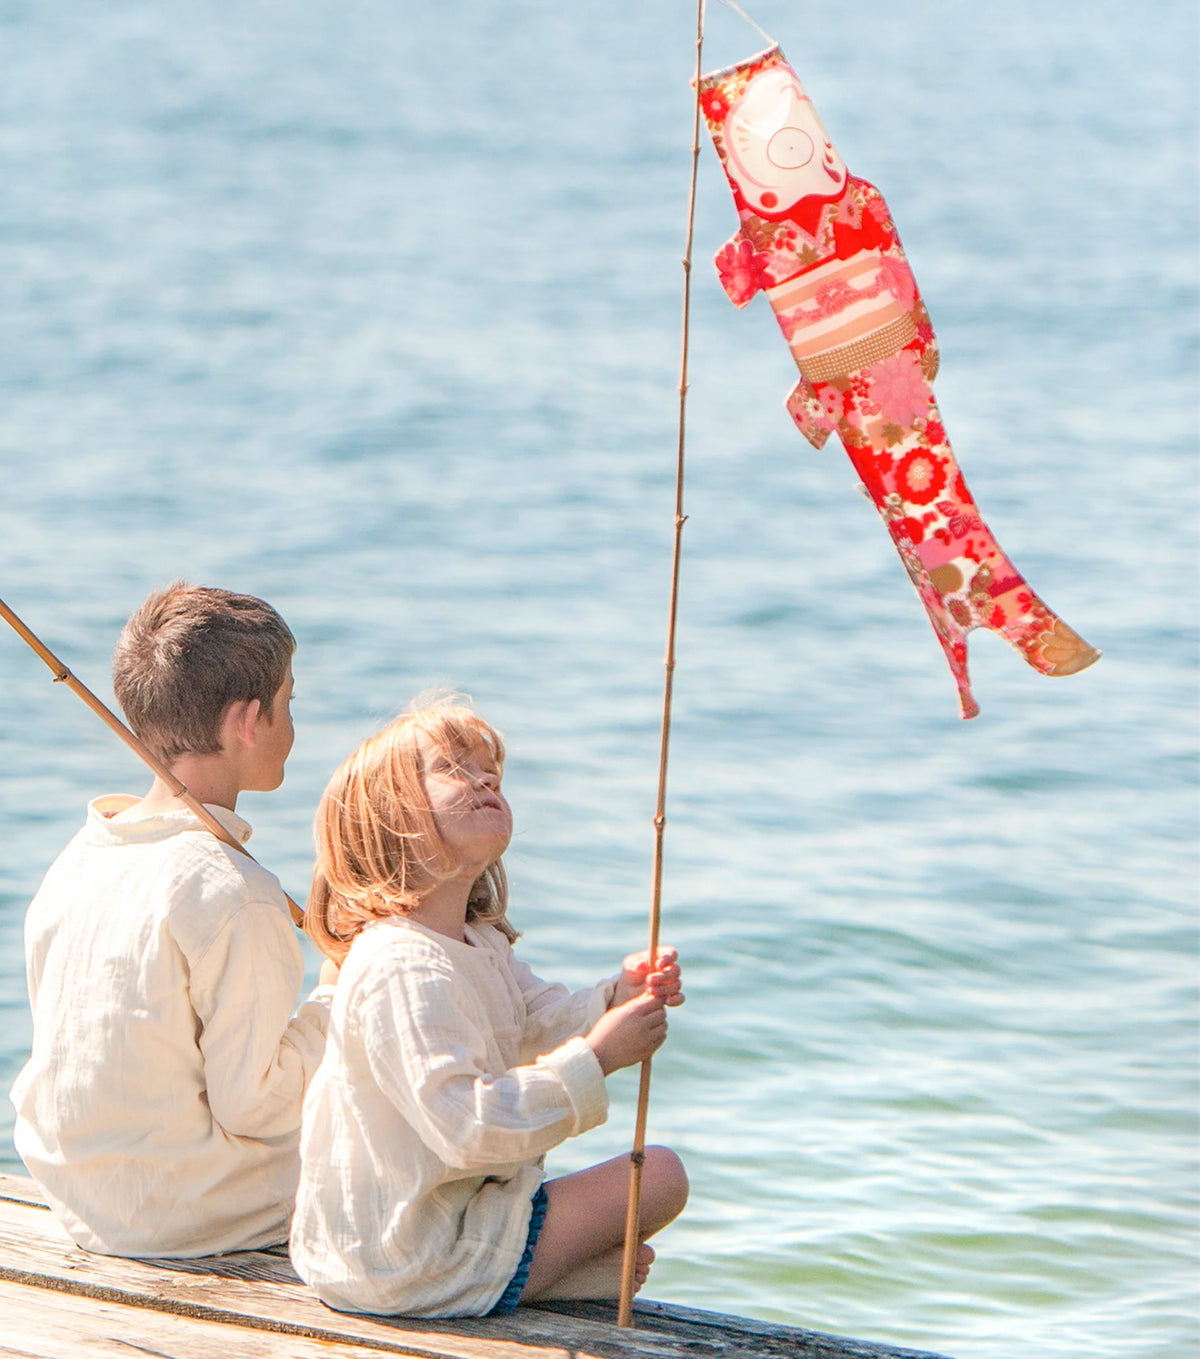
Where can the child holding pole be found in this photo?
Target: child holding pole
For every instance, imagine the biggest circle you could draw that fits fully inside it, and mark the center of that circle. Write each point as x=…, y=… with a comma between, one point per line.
x=451, y=1069
x=160, y=1106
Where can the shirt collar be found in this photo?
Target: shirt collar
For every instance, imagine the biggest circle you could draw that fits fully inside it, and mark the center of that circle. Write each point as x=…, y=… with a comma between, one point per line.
x=103, y=822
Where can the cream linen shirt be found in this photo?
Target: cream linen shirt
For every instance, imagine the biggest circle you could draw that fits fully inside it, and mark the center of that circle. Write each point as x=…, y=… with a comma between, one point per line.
x=160, y=1106
x=450, y=1070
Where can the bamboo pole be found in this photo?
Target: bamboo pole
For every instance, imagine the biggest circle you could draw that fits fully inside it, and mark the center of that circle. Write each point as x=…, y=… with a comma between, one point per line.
x=63, y=676
x=638, y=1154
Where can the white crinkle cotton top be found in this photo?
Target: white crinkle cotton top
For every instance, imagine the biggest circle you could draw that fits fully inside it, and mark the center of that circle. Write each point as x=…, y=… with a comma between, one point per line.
x=160, y=1106
x=449, y=1072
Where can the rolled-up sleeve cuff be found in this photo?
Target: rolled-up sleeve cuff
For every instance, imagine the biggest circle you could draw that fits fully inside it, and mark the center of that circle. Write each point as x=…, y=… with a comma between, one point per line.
x=576, y=1066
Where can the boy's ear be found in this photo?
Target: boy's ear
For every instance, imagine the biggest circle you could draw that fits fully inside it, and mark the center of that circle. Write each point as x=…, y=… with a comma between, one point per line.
x=239, y=726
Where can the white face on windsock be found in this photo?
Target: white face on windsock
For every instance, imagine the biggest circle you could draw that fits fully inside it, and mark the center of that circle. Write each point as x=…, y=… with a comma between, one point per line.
x=778, y=152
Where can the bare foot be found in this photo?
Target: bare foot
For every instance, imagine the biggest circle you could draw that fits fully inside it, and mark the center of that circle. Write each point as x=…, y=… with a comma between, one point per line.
x=600, y=1278
x=641, y=1266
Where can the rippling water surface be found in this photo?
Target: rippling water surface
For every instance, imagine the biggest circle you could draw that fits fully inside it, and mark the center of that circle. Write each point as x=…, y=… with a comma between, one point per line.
x=372, y=309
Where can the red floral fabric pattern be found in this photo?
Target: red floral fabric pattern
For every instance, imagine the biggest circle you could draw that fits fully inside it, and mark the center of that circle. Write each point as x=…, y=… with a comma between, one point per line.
x=743, y=271
x=822, y=245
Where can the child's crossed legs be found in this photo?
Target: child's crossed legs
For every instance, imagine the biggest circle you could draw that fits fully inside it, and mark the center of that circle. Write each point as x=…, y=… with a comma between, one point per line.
x=580, y=1249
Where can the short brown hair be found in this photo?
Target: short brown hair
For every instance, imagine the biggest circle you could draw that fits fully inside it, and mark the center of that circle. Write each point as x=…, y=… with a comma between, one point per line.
x=378, y=845
x=187, y=654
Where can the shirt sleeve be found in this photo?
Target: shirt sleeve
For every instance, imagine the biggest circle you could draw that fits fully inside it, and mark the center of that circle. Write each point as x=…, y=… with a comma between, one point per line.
x=552, y=1013
x=427, y=1047
x=258, y=1057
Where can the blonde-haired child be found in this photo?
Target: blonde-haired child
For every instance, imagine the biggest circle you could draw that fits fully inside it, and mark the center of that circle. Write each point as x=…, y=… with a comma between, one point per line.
x=451, y=1069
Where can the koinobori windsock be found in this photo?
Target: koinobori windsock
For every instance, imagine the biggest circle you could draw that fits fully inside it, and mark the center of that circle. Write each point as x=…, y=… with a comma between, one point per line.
x=822, y=246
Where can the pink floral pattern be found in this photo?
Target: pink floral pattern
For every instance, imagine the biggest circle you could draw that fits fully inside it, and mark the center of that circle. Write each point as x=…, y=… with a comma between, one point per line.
x=872, y=385
x=743, y=271
x=896, y=277
x=898, y=389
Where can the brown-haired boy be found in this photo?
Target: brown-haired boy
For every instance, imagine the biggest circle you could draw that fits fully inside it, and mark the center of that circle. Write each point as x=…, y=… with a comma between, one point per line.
x=160, y=1107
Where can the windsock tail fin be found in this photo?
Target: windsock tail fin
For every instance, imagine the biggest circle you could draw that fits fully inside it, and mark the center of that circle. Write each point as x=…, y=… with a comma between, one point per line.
x=1000, y=601
x=1058, y=649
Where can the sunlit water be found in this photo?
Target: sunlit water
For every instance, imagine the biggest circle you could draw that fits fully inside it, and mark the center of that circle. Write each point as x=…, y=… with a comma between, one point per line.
x=372, y=309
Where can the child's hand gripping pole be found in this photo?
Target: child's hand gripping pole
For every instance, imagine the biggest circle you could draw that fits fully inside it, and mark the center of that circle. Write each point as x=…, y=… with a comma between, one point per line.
x=63, y=676
x=628, y=1033
x=634, y=1026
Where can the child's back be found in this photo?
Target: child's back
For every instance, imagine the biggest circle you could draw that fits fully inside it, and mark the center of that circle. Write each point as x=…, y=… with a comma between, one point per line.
x=160, y=1106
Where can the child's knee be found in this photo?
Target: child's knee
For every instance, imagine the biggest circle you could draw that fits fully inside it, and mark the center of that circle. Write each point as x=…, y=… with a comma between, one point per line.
x=666, y=1179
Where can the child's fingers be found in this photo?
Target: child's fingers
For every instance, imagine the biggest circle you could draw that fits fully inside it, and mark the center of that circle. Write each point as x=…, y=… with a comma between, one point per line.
x=668, y=984
x=655, y=1030
x=647, y=1003
x=665, y=975
x=648, y=1000
x=638, y=964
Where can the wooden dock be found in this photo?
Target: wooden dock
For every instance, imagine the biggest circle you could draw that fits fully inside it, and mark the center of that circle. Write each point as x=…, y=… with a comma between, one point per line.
x=60, y=1302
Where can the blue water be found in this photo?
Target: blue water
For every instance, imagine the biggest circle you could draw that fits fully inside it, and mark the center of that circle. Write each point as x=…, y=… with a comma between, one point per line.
x=373, y=309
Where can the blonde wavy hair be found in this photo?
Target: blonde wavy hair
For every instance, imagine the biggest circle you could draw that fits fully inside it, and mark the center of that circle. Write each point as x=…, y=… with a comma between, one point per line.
x=378, y=847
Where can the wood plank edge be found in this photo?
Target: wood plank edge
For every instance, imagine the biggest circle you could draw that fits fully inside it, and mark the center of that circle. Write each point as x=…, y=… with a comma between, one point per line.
x=657, y=1316
x=108, y=1293
x=18, y=1189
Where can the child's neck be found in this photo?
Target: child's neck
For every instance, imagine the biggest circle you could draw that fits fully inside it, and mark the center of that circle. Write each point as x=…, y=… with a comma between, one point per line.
x=206, y=778
x=444, y=909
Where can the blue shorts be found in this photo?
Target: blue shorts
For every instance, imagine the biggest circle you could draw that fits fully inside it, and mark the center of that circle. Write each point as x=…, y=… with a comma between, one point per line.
x=512, y=1294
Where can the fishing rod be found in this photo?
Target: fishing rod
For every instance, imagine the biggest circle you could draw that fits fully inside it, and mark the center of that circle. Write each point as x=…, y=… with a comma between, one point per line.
x=63, y=676
x=637, y=1156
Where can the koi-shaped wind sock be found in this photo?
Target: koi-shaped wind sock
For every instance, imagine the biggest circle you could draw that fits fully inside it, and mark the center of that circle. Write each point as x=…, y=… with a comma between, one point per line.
x=821, y=244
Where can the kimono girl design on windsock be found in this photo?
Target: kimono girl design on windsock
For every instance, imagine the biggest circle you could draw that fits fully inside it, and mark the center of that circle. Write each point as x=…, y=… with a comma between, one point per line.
x=821, y=244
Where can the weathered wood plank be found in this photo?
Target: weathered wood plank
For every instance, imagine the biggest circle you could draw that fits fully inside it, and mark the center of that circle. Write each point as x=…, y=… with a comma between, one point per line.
x=20, y=1189
x=258, y=1290
x=43, y=1323
x=34, y=1251
x=725, y=1335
